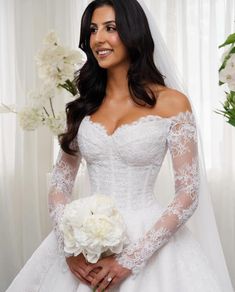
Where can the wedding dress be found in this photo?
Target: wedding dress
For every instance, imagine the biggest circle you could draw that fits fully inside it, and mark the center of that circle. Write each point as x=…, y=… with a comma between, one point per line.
x=162, y=253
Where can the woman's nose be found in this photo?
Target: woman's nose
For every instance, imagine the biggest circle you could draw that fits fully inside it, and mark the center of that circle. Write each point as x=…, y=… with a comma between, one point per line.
x=99, y=36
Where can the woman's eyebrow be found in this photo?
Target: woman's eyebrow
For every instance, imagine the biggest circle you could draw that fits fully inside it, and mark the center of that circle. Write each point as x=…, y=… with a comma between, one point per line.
x=104, y=23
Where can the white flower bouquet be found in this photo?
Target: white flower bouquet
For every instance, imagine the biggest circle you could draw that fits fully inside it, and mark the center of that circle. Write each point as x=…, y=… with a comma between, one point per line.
x=94, y=227
x=227, y=78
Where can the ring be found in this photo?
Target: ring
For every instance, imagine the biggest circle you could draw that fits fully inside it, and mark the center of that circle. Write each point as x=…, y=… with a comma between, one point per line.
x=109, y=279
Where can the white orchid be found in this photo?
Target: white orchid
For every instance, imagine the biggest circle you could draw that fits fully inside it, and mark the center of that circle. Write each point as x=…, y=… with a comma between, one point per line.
x=227, y=77
x=40, y=97
x=57, y=64
x=56, y=124
x=56, y=67
x=30, y=118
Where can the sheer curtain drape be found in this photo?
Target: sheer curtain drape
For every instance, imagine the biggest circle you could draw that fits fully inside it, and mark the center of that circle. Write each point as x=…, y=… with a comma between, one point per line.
x=192, y=30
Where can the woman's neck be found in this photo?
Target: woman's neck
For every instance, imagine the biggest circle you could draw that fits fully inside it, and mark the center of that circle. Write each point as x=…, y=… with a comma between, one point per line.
x=117, y=83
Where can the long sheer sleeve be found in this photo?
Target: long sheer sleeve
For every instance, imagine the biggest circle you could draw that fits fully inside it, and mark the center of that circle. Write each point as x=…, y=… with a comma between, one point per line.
x=182, y=143
x=60, y=193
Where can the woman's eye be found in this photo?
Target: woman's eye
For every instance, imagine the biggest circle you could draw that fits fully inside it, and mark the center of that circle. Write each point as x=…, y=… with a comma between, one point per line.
x=93, y=29
x=111, y=28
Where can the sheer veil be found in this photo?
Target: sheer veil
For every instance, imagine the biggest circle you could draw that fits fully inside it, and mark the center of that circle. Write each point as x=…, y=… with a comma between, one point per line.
x=202, y=224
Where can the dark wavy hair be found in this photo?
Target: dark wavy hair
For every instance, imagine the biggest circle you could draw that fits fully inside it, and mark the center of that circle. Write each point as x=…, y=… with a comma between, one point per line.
x=91, y=79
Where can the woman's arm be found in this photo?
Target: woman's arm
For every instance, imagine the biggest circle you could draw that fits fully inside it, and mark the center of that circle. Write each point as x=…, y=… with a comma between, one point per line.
x=60, y=193
x=182, y=143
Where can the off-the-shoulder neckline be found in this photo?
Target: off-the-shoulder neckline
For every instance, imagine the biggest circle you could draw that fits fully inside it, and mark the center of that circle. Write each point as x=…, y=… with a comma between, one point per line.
x=180, y=116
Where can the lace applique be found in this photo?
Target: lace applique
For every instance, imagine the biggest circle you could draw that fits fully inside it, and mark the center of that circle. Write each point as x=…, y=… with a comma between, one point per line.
x=56, y=215
x=182, y=143
x=62, y=181
x=180, y=135
x=134, y=256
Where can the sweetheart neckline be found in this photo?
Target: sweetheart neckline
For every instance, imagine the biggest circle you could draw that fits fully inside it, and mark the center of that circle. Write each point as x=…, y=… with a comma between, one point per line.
x=124, y=125
x=180, y=116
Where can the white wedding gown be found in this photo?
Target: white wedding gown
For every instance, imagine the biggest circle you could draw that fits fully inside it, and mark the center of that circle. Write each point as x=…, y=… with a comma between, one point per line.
x=162, y=252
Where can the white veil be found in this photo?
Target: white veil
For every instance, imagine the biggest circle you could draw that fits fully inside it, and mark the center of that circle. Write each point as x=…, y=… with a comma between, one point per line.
x=202, y=223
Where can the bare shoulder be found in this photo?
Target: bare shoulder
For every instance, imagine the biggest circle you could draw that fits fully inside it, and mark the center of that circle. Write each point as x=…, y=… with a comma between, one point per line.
x=171, y=102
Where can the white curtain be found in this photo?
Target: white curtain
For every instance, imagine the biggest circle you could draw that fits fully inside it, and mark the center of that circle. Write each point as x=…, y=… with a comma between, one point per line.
x=192, y=29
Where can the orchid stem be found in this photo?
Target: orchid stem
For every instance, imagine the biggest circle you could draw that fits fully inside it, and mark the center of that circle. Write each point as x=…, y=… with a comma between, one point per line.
x=46, y=111
x=8, y=108
x=52, y=109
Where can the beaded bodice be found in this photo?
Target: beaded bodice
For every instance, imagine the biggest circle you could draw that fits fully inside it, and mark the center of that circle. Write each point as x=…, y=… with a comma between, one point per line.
x=125, y=164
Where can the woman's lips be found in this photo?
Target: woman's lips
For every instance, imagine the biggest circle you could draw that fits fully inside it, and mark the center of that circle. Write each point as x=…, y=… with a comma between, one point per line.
x=104, y=53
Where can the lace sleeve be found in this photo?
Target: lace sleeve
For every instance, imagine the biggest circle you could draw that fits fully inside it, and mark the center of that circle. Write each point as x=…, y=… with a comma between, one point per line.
x=60, y=192
x=182, y=143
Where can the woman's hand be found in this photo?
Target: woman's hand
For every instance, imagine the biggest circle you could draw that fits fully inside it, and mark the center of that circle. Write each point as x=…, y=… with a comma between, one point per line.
x=110, y=273
x=78, y=266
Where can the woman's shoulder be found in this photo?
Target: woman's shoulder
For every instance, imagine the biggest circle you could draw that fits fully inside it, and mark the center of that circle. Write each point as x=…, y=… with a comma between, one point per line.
x=170, y=102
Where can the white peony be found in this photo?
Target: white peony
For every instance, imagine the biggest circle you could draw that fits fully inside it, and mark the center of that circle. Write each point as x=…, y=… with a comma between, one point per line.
x=93, y=226
x=51, y=39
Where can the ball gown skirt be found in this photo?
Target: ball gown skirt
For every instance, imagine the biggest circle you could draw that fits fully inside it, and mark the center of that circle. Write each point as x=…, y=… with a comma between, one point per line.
x=179, y=266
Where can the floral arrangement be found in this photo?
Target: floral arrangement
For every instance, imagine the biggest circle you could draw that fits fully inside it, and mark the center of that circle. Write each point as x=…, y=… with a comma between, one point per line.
x=93, y=226
x=56, y=67
x=227, y=77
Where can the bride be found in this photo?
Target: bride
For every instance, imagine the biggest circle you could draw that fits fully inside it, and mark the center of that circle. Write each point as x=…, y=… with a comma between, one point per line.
x=127, y=116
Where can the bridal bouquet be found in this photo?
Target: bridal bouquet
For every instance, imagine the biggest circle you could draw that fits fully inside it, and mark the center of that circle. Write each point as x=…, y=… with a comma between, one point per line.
x=227, y=77
x=93, y=226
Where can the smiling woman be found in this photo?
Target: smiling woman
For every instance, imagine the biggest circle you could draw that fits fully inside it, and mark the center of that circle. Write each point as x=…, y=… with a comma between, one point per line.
x=124, y=122
x=105, y=42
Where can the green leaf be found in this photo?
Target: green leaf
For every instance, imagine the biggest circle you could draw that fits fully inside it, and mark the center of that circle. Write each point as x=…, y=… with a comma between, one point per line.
x=232, y=93
x=230, y=40
x=226, y=58
x=232, y=51
x=231, y=122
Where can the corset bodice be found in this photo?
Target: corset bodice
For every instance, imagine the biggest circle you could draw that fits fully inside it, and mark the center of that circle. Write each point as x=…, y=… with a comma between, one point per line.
x=125, y=164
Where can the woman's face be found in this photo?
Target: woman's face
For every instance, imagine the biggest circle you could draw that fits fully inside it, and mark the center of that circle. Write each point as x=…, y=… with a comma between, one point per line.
x=105, y=42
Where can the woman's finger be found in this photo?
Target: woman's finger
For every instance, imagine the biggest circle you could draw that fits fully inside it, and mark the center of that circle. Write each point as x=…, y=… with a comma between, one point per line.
x=113, y=283
x=106, y=283
x=83, y=280
x=92, y=274
x=99, y=277
x=90, y=268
